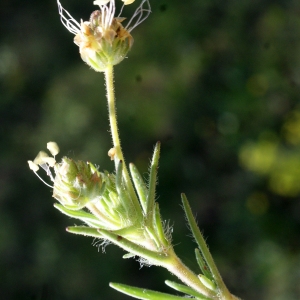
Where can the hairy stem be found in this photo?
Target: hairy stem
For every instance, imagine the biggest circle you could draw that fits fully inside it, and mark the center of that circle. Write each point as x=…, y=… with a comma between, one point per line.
x=110, y=93
x=109, y=80
x=179, y=269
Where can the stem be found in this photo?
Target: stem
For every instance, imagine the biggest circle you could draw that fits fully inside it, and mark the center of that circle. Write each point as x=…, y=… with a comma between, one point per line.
x=168, y=260
x=178, y=268
x=109, y=80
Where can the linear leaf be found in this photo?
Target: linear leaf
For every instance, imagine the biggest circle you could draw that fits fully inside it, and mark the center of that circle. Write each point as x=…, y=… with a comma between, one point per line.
x=140, y=293
x=185, y=289
x=153, y=179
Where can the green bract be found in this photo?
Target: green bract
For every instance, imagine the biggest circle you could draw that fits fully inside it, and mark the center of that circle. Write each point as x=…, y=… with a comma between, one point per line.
x=76, y=183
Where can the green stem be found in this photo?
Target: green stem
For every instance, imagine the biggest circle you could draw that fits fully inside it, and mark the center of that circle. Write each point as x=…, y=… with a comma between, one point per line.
x=168, y=260
x=179, y=269
x=109, y=81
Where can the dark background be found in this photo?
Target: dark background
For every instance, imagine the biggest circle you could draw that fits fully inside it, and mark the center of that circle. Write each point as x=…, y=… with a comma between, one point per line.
x=217, y=82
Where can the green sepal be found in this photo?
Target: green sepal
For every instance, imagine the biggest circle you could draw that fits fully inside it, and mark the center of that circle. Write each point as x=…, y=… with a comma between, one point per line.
x=140, y=293
x=153, y=180
x=83, y=230
x=88, y=218
x=155, y=258
x=185, y=289
x=202, y=264
x=139, y=185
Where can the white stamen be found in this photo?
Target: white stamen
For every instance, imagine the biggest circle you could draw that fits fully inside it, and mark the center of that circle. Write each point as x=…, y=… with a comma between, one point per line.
x=100, y=2
x=69, y=22
x=50, y=161
x=32, y=166
x=107, y=12
x=41, y=179
x=48, y=171
x=39, y=158
x=141, y=14
x=126, y=2
x=53, y=148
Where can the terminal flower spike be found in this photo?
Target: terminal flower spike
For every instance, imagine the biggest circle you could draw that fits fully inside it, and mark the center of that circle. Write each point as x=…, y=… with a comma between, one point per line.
x=103, y=40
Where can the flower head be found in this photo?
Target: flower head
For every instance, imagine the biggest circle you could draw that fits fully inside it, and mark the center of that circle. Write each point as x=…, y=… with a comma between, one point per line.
x=75, y=183
x=78, y=185
x=103, y=40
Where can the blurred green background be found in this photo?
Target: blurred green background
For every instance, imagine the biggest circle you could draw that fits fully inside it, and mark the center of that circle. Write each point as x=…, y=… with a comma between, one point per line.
x=217, y=82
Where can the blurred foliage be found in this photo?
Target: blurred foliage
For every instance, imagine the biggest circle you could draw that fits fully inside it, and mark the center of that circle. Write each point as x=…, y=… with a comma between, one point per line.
x=217, y=82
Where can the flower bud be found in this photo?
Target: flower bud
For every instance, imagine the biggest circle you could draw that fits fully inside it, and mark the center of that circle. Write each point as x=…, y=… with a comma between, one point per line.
x=76, y=183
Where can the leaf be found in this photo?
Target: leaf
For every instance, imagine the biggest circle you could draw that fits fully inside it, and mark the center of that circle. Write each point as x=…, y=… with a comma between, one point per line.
x=158, y=226
x=155, y=258
x=88, y=218
x=185, y=289
x=139, y=185
x=202, y=265
x=152, y=179
x=83, y=230
x=204, y=249
x=140, y=293
x=128, y=255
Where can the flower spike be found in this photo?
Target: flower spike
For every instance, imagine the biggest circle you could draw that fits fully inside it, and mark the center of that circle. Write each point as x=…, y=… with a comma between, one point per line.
x=103, y=40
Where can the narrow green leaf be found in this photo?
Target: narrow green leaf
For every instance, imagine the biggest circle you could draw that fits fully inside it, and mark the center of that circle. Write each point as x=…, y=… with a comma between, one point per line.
x=185, y=289
x=153, y=179
x=119, y=176
x=139, y=185
x=155, y=258
x=122, y=191
x=128, y=255
x=153, y=236
x=203, y=247
x=83, y=230
x=88, y=218
x=207, y=282
x=158, y=226
x=140, y=293
x=202, y=265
